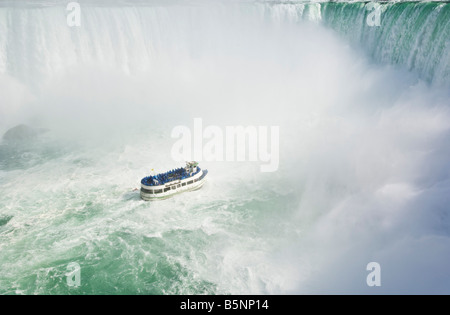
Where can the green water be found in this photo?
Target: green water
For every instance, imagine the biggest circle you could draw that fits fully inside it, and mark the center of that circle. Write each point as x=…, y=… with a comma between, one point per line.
x=363, y=173
x=412, y=34
x=68, y=204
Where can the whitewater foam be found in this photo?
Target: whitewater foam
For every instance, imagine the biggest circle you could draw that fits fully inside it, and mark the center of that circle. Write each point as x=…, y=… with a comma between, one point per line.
x=364, y=149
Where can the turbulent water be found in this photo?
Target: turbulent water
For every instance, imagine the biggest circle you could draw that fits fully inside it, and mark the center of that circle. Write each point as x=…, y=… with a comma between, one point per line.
x=363, y=176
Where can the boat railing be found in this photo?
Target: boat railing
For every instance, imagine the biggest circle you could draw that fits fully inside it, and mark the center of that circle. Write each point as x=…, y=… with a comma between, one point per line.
x=167, y=177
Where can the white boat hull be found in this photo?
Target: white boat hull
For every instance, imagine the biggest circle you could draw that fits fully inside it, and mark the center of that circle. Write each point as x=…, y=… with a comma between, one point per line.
x=172, y=188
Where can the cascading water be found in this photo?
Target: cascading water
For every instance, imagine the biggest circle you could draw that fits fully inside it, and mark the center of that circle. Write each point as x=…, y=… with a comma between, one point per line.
x=415, y=35
x=363, y=172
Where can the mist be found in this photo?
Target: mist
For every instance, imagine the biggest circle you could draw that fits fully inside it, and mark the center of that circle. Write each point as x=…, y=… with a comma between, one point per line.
x=364, y=147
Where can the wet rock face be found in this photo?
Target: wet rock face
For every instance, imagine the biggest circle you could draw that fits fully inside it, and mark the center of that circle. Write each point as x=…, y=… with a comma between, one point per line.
x=5, y=219
x=21, y=133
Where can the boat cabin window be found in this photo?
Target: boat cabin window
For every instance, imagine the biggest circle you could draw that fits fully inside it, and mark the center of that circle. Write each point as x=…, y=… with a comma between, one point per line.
x=184, y=184
x=190, y=182
x=147, y=191
x=166, y=189
x=158, y=191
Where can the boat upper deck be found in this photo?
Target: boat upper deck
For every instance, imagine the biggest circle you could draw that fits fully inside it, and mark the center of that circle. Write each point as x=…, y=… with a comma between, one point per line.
x=167, y=177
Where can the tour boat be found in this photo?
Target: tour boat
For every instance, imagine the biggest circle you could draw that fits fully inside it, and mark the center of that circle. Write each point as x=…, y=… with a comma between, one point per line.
x=164, y=185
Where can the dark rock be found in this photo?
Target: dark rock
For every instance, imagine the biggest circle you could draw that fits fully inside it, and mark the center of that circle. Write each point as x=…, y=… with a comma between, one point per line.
x=21, y=133
x=5, y=219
